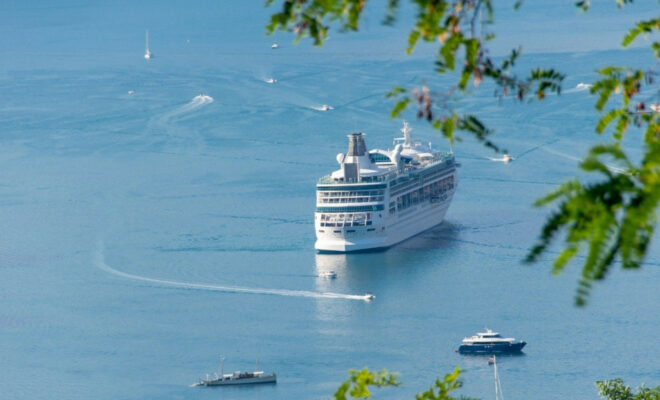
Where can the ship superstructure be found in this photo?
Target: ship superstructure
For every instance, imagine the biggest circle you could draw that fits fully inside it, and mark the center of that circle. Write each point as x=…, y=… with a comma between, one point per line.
x=379, y=198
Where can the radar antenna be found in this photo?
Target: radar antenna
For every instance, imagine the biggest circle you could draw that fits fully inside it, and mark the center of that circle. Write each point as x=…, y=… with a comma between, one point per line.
x=406, y=133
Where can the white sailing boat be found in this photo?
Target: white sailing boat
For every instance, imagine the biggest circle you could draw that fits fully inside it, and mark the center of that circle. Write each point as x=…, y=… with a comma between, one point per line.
x=147, y=53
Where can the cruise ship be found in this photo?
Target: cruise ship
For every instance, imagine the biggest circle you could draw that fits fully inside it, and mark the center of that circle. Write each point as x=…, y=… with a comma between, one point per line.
x=378, y=198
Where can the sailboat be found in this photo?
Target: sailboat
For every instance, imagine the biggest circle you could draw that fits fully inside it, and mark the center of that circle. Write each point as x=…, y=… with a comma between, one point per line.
x=147, y=53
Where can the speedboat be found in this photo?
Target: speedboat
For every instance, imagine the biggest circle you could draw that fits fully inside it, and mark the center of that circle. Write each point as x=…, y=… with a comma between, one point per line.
x=147, y=53
x=369, y=296
x=274, y=46
x=270, y=80
x=328, y=274
x=490, y=342
x=325, y=107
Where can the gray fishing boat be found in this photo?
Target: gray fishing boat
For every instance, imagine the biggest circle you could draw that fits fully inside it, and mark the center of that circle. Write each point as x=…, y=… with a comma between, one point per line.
x=237, y=378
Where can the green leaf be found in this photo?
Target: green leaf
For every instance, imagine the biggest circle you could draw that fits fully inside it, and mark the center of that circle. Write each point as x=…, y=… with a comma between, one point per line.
x=412, y=41
x=399, y=107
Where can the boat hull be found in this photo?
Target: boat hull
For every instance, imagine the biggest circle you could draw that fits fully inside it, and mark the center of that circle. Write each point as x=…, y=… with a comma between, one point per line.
x=386, y=232
x=491, y=348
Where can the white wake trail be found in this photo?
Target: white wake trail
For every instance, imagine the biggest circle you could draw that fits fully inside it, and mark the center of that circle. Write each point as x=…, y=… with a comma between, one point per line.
x=100, y=263
x=197, y=102
x=612, y=168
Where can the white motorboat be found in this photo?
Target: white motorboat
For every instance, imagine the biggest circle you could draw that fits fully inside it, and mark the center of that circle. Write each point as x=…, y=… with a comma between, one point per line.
x=328, y=274
x=147, y=53
x=237, y=378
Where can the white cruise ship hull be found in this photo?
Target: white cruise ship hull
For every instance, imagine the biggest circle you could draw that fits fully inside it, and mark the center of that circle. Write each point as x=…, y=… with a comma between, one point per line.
x=386, y=230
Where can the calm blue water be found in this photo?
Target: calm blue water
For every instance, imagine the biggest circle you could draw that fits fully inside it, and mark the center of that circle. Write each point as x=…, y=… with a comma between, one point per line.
x=164, y=187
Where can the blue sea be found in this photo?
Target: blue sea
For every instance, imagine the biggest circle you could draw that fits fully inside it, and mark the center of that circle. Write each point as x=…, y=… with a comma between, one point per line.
x=147, y=230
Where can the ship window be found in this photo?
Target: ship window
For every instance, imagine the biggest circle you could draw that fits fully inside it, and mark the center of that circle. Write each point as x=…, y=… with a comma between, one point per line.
x=321, y=230
x=337, y=231
x=371, y=229
x=350, y=230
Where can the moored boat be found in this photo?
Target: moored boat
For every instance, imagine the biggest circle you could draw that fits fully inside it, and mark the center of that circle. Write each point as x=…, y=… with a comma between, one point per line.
x=490, y=342
x=237, y=378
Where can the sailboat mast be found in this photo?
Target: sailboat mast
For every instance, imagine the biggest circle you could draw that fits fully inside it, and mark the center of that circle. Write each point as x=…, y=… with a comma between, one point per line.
x=222, y=366
x=498, y=385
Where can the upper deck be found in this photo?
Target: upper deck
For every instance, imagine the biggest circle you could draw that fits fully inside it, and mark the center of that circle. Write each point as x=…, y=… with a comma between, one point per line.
x=389, y=173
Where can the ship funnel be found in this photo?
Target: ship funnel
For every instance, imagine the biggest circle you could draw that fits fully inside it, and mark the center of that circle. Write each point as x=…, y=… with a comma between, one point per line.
x=356, y=145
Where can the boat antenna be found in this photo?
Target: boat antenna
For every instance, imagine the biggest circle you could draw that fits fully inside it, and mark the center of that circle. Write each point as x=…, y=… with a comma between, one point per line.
x=406, y=133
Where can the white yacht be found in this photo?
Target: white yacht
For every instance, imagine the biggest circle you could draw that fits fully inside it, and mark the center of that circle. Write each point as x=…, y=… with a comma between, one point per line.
x=490, y=342
x=147, y=53
x=379, y=198
x=237, y=378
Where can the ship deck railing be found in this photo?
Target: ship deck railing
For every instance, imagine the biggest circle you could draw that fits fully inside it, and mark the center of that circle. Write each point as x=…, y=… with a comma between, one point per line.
x=328, y=179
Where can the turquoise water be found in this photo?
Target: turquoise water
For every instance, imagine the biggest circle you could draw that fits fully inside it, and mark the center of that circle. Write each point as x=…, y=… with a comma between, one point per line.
x=146, y=234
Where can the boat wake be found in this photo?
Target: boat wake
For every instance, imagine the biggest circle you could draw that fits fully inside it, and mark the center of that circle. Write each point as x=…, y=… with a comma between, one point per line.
x=580, y=87
x=612, y=168
x=198, y=101
x=100, y=263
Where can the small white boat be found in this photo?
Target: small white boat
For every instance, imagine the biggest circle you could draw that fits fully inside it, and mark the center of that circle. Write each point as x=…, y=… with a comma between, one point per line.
x=147, y=53
x=325, y=107
x=506, y=158
x=582, y=86
x=328, y=274
x=237, y=378
x=369, y=296
x=130, y=92
x=275, y=46
x=655, y=107
x=270, y=80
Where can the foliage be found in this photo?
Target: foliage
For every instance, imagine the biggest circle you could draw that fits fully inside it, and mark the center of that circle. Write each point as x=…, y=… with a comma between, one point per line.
x=612, y=216
x=442, y=388
x=460, y=28
x=358, y=382
x=616, y=390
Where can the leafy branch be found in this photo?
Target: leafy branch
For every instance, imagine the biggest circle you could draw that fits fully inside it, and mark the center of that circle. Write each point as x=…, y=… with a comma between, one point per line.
x=358, y=382
x=459, y=26
x=615, y=389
